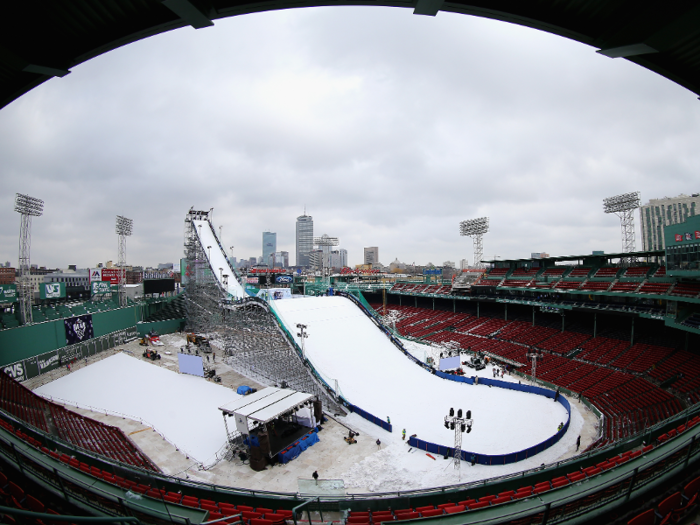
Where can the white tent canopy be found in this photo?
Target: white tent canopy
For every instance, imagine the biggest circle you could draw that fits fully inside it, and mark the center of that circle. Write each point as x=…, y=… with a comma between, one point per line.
x=264, y=405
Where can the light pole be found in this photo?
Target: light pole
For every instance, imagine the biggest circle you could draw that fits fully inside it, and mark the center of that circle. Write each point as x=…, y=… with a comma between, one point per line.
x=124, y=228
x=303, y=335
x=623, y=206
x=534, y=355
x=459, y=424
x=27, y=207
x=209, y=253
x=476, y=228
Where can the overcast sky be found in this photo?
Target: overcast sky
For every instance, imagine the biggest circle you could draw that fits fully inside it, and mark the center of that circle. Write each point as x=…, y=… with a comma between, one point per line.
x=390, y=128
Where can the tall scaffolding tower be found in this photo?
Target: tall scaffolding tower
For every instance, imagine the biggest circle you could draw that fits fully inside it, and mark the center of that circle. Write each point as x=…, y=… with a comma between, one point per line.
x=204, y=294
x=27, y=207
x=476, y=228
x=124, y=228
x=623, y=206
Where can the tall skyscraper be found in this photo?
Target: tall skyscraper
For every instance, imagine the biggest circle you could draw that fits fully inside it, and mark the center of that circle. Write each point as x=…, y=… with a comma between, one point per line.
x=658, y=213
x=269, y=247
x=305, y=239
x=371, y=255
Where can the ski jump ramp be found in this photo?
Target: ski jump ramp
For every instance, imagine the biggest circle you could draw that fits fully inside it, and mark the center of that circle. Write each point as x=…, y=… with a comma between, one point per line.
x=216, y=257
x=345, y=346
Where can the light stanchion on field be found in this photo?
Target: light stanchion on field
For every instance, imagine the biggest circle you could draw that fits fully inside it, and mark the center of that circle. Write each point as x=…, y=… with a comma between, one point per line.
x=303, y=335
x=460, y=425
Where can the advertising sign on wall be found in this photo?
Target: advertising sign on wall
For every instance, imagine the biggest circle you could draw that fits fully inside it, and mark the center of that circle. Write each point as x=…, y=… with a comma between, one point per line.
x=100, y=287
x=52, y=290
x=111, y=275
x=95, y=274
x=284, y=279
x=8, y=293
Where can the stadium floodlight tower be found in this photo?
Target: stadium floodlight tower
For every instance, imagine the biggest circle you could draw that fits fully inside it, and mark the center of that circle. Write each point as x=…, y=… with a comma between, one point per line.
x=476, y=228
x=27, y=207
x=124, y=228
x=623, y=206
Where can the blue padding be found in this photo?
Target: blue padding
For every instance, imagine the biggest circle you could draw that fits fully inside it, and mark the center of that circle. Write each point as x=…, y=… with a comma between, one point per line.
x=369, y=417
x=298, y=447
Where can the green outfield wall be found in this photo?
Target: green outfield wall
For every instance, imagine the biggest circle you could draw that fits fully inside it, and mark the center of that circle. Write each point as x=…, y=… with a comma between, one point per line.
x=18, y=344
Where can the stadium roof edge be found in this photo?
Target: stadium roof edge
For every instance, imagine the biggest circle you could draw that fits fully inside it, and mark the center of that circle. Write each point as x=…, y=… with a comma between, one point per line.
x=57, y=36
x=652, y=253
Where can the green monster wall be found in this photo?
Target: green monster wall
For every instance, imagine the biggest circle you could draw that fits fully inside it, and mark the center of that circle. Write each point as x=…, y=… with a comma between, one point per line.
x=17, y=344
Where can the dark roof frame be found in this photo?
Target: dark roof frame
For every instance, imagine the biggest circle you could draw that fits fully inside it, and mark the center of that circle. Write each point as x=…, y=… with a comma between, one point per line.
x=46, y=38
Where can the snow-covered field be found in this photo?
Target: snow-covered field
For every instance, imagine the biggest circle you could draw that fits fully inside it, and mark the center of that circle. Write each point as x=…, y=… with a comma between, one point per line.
x=181, y=407
x=345, y=346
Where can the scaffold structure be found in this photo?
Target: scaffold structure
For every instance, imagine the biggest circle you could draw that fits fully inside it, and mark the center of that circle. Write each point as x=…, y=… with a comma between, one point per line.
x=245, y=330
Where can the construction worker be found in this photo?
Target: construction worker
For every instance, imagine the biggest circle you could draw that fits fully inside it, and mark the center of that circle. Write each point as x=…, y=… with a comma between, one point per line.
x=403, y=434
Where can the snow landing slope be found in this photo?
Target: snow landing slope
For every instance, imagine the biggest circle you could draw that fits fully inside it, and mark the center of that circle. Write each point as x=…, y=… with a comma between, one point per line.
x=344, y=345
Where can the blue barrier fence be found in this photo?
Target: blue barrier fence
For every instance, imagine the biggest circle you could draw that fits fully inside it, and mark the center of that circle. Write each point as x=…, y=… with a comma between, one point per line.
x=499, y=459
x=369, y=417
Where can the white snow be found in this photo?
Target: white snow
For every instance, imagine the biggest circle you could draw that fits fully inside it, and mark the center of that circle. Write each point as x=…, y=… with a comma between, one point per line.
x=217, y=257
x=344, y=345
x=183, y=408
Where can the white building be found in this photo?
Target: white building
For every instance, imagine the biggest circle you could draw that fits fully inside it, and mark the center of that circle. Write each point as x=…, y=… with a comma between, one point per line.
x=658, y=213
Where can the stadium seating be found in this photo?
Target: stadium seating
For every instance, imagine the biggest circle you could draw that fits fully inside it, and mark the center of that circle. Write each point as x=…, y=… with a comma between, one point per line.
x=580, y=271
x=86, y=433
x=567, y=285
x=515, y=283
x=558, y=271
x=654, y=288
x=690, y=290
x=626, y=287
x=607, y=271
x=596, y=286
x=637, y=271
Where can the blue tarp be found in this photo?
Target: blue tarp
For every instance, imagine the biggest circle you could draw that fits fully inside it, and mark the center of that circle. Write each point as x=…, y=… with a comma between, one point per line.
x=252, y=441
x=298, y=447
x=243, y=390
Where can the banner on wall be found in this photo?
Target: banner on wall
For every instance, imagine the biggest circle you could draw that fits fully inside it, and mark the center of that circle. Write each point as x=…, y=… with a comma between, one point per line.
x=8, y=293
x=78, y=329
x=100, y=287
x=111, y=275
x=52, y=290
